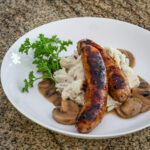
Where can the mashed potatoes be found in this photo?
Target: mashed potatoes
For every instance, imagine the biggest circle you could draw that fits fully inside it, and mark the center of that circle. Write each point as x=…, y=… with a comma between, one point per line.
x=71, y=77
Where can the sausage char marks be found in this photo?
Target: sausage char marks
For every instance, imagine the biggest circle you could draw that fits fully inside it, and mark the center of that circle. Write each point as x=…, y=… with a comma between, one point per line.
x=96, y=91
x=117, y=84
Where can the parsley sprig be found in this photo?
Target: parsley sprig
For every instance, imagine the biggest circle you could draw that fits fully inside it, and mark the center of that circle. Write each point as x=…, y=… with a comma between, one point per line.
x=46, y=57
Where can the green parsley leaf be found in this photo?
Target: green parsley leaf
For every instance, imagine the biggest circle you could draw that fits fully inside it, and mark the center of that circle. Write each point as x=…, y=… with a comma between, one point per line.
x=46, y=57
x=25, y=46
x=28, y=83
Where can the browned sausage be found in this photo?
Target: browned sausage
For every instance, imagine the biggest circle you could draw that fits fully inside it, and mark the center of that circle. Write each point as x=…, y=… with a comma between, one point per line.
x=96, y=90
x=117, y=85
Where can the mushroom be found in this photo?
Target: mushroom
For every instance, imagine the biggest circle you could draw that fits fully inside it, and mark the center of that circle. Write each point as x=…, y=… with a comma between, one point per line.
x=55, y=99
x=48, y=90
x=143, y=92
x=139, y=101
x=143, y=89
x=130, y=56
x=145, y=104
x=143, y=83
x=66, y=113
x=133, y=106
x=130, y=108
x=46, y=87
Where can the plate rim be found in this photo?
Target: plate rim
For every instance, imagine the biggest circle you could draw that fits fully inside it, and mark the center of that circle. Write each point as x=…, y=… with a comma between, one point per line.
x=68, y=133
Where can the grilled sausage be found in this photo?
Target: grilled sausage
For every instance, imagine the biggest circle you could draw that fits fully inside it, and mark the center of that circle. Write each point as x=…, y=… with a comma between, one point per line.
x=96, y=90
x=117, y=85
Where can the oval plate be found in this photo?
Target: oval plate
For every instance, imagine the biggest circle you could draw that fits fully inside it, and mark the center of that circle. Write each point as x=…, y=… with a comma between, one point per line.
x=106, y=32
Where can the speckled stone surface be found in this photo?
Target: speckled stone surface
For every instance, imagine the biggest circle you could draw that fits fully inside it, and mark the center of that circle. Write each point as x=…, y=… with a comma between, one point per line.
x=19, y=16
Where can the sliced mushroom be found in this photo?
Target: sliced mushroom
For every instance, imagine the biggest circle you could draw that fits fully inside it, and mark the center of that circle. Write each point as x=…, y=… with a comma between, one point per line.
x=141, y=91
x=143, y=83
x=67, y=113
x=130, y=56
x=145, y=104
x=138, y=103
x=55, y=99
x=135, y=105
x=130, y=108
x=48, y=90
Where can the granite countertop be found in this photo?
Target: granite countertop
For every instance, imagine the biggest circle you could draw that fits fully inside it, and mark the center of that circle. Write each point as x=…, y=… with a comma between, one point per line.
x=20, y=16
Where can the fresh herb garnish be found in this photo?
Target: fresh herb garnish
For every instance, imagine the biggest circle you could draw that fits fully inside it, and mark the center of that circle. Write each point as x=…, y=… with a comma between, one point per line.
x=46, y=57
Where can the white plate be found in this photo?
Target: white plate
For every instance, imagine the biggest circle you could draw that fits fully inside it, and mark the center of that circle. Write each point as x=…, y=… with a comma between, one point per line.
x=107, y=32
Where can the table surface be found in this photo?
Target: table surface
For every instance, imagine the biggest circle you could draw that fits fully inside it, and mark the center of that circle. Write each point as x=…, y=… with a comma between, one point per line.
x=20, y=16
